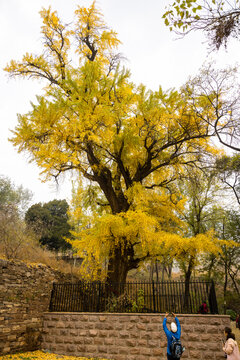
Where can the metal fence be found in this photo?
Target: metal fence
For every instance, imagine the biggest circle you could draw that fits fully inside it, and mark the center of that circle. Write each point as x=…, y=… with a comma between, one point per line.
x=152, y=297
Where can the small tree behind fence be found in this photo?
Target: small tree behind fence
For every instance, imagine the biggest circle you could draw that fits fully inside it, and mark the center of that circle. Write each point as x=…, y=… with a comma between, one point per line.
x=152, y=297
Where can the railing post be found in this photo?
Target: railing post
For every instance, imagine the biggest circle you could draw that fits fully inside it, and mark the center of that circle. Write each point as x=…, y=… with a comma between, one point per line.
x=51, y=299
x=153, y=292
x=99, y=296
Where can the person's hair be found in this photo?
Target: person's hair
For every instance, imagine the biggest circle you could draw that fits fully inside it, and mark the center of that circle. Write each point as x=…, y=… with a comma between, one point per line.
x=229, y=333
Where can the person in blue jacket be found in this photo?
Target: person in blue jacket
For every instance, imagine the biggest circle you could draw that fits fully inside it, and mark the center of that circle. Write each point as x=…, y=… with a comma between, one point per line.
x=175, y=330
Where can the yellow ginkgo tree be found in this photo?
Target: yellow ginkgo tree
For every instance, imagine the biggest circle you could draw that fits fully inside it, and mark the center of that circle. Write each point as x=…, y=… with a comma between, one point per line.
x=126, y=144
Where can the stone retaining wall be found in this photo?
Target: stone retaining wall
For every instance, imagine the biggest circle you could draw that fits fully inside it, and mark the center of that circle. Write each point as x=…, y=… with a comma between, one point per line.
x=24, y=297
x=131, y=336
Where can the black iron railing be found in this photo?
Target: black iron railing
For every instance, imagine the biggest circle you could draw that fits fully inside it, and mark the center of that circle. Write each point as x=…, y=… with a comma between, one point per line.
x=156, y=297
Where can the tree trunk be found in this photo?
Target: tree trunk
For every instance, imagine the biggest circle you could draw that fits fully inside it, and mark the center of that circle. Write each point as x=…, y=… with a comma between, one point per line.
x=234, y=282
x=121, y=261
x=151, y=271
x=156, y=267
x=187, y=283
x=225, y=288
x=118, y=268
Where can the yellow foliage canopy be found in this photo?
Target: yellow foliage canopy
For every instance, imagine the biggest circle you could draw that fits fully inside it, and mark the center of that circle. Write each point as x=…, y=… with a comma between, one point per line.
x=128, y=144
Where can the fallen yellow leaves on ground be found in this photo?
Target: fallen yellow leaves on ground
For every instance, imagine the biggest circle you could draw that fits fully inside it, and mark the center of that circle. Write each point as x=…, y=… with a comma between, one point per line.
x=40, y=355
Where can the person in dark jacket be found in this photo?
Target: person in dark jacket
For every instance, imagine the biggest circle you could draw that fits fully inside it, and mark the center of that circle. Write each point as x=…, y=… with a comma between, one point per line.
x=175, y=330
x=203, y=309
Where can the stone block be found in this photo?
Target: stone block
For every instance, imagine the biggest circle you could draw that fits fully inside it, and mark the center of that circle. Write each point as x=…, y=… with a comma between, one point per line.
x=93, y=318
x=79, y=325
x=131, y=343
x=68, y=339
x=112, y=352
x=133, y=357
x=81, y=348
x=103, y=333
x=114, y=334
x=199, y=329
x=109, y=341
x=89, y=325
x=226, y=321
x=146, y=351
x=197, y=346
x=134, y=318
x=157, y=320
x=123, y=318
x=102, y=349
x=219, y=356
x=78, y=340
x=63, y=332
x=142, y=357
x=141, y=326
x=158, y=351
x=146, y=335
x=93, y=333
x=98, y=341
x=157, y=335
x=11, y=337
x=83, y=333
x=119, y=326
x=214, y=345
x=209, y=355
x=195, y=354
x=71, y=348
x=153, y=343
x=131, y=326
x=107, y=326
x=215, y=321
x=144, y=319
x=59, y=339
x=6, y=330
x=135, y=351
x=88, y=340
x=189, y=321
x=211, y=329
x=120, y=342
x=60, y=324
x=152, y=327
x=123, y=351
x=193, y=337
x=204, y=337
x=123, y=334
x=73, y=332
x=119, y=357
x=141, y=342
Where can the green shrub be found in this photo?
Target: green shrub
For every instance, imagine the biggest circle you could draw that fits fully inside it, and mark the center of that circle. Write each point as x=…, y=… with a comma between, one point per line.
x=124, y=301
x=232, y=314
x=137, y=306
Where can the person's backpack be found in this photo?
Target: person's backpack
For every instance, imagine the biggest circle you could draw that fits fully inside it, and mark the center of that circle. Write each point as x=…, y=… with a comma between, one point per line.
x=176, y=348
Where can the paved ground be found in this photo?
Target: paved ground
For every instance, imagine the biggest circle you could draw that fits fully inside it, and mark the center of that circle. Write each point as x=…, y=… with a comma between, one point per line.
x=235, y=331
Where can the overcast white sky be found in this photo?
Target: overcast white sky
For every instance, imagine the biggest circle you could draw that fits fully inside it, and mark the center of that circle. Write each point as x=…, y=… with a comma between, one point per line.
x=154, y=56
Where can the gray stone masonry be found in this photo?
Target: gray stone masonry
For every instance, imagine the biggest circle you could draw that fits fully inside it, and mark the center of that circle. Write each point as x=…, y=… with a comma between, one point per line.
x=131, y=336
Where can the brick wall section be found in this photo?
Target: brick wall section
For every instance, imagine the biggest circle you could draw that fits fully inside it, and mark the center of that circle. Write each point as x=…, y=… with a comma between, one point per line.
x=131, y=336
x=24, y=297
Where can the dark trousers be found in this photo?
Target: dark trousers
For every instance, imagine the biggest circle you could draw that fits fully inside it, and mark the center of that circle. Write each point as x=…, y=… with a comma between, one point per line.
x=169, y=357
